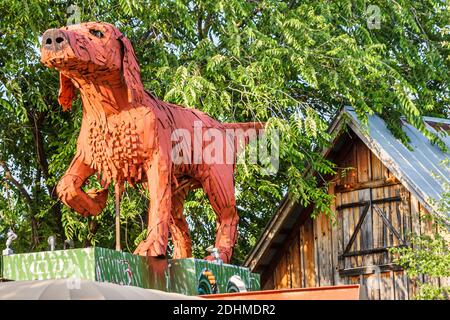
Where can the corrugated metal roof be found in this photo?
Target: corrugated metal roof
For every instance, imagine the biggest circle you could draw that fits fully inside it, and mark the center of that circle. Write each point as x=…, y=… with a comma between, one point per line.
x=418, y=168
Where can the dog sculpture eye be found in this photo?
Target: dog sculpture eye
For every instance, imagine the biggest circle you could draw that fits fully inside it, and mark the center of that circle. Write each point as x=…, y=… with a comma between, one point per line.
x=96, y=33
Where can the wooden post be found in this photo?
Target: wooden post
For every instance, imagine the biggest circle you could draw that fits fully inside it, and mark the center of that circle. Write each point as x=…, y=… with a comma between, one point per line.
x=117, y=196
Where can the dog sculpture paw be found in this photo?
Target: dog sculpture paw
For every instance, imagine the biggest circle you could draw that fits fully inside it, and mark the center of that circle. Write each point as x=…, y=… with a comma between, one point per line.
x=99, y=196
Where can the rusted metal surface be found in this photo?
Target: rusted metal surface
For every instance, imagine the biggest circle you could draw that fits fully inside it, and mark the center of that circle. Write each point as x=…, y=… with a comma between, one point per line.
x=126, y=135
x=348, y=292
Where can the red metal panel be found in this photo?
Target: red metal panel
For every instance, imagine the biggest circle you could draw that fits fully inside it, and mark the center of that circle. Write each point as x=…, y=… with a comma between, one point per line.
x=347, y=292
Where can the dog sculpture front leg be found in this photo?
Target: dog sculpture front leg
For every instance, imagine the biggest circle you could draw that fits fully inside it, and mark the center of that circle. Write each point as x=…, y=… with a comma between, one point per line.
x=69, y=190
x=158, y=175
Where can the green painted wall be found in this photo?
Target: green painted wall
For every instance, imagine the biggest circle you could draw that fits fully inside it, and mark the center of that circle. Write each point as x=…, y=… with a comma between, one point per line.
x=105, y=265
x=50, y=265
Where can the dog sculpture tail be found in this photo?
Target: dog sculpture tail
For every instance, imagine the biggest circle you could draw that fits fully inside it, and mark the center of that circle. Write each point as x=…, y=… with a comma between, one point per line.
x=242, y=132
x=244, y=125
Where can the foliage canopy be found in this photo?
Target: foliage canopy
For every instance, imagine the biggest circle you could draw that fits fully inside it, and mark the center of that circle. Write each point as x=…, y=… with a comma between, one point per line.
x=292, y=63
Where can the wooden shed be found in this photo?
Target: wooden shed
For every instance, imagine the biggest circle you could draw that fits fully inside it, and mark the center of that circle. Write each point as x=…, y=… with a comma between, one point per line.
x=385, y=196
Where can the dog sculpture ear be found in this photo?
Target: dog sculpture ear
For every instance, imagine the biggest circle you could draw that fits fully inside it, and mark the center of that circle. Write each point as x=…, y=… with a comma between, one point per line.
x=66, y=92
x=131, y=72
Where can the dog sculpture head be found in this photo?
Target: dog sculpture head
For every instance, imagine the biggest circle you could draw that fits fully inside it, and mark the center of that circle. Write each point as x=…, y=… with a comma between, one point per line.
x=92, y=52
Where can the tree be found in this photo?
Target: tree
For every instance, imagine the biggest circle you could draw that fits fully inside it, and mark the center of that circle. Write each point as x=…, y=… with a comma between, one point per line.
x=291, y=63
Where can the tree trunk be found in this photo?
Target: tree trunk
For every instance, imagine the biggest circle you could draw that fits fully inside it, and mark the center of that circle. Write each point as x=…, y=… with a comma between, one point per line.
x=36, y=120
x=93, y=228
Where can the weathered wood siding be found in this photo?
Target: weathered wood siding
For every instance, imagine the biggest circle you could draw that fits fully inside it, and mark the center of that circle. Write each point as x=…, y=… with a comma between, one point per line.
x=318, y=252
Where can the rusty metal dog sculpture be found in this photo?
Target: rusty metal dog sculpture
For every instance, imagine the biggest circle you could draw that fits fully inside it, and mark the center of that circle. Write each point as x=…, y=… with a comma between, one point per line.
x=126, y=136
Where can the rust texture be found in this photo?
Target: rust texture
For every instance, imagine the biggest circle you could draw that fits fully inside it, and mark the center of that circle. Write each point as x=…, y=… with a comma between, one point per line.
x=125, y=136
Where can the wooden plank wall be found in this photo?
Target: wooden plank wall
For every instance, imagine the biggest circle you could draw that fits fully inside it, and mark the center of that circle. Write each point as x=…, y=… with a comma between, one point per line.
x=311, y=257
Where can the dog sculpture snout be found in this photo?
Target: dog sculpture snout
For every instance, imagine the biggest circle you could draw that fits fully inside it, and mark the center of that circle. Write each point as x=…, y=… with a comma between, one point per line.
x=54, y=40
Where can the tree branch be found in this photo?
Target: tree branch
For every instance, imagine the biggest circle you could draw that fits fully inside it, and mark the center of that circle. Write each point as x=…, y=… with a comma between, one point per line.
x=34, y=223
x=9, y=177
x=36, y=119
x=40, y=152
x=199, y=27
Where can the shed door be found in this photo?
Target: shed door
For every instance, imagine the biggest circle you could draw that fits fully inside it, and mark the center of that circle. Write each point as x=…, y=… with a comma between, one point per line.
x=371, y=221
